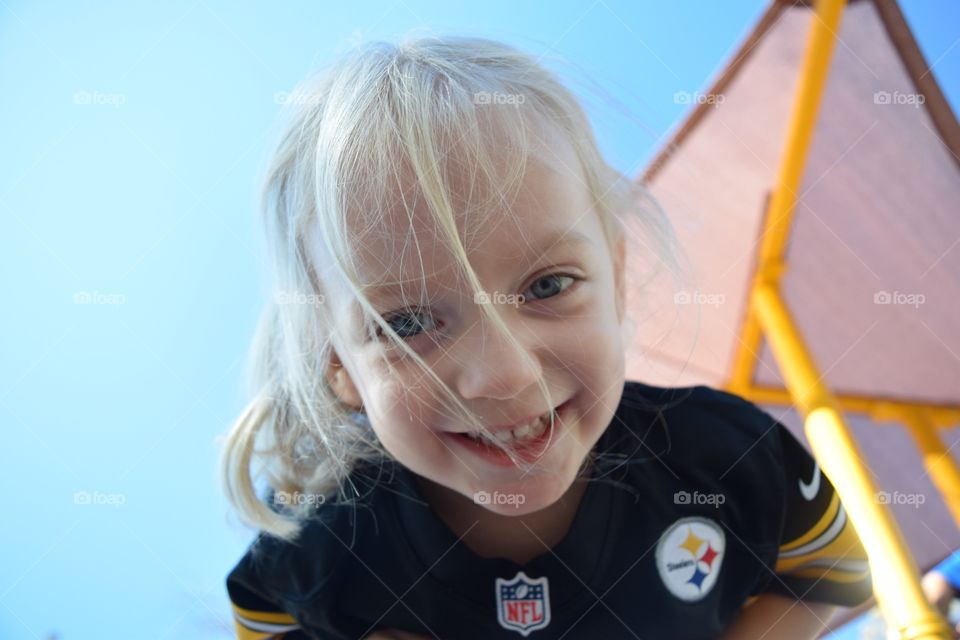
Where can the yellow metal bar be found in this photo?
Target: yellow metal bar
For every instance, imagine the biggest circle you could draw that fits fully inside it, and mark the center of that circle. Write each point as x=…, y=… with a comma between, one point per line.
x=800, y=128
x=780, y=209
x=896, y=580
x=747, y=354
x=940, y=465
x=938, y=415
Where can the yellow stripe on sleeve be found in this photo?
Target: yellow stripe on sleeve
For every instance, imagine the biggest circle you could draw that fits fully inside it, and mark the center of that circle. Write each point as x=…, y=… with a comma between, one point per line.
x=816, y=530
x=262, y=625
x=835, y=555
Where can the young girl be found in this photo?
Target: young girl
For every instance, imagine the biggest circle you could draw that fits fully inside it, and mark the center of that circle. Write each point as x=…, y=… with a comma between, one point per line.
x=449, y=444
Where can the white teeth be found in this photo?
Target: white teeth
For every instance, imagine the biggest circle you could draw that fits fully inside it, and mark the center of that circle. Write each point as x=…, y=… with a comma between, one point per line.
x=522, y=432
x=527, y=431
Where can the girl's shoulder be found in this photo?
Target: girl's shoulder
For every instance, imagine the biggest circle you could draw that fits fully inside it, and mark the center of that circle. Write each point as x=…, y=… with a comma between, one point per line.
x=330, y=537
x=698, y=424
x=708, y=451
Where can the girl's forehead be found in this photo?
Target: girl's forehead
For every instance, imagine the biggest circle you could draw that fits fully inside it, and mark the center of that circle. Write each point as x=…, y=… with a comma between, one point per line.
x=484, y=187
x=550, y=207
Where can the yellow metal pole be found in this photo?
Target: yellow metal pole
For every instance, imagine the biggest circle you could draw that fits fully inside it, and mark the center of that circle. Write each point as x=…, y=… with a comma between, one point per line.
x=940, y=465
x=816, y=63
x=880, y=409
x=896, y=580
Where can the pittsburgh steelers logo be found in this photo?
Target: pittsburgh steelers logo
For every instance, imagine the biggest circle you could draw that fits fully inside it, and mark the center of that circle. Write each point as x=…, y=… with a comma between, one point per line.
x=689, y=555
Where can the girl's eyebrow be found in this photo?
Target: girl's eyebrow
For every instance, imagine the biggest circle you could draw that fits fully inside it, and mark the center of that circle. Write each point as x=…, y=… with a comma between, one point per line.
x=559, y=238
x=564, y=237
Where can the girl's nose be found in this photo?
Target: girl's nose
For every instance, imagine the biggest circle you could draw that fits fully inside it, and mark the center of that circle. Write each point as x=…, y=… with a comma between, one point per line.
x=489, y=366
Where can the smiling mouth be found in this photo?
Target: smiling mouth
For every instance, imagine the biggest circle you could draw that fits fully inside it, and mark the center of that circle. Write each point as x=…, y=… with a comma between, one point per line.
x=530, y=435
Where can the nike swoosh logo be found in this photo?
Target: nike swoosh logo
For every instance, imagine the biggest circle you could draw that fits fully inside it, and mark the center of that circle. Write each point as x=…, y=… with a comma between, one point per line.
x=810, y=490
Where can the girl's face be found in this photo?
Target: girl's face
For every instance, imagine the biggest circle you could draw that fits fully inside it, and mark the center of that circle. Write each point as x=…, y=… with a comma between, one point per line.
x=553, y=252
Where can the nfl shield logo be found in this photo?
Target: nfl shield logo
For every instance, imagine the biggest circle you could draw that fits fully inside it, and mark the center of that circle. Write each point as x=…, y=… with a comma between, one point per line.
x=523, y=605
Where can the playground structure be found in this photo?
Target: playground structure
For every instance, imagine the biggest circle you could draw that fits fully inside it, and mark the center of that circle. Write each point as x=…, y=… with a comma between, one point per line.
x=815, y=186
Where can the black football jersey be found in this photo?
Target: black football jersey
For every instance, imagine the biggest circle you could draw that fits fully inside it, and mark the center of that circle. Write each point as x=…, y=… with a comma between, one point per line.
x=699, y=502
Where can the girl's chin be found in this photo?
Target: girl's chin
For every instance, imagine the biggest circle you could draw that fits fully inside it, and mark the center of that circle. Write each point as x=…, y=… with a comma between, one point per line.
x=515, y=512
x=521, y=498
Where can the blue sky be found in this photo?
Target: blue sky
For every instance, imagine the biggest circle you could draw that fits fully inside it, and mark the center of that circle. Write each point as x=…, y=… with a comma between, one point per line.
x=143, y=205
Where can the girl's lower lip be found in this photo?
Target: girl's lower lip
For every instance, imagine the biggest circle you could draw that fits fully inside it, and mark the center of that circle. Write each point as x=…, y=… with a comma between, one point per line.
x=529, y=452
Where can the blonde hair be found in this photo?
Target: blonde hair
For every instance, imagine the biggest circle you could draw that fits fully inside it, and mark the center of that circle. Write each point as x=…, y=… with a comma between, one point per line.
x=421, y=108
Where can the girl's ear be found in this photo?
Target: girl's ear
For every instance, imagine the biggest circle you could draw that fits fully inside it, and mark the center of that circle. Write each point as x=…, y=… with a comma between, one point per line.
x=619, y=266
x=342, y=384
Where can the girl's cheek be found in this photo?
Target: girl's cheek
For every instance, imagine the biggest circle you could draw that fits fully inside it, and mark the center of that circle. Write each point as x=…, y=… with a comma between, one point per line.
x=404, y=414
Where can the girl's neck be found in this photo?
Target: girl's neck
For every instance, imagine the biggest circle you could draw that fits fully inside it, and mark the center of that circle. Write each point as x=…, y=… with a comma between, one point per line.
x=491, y=535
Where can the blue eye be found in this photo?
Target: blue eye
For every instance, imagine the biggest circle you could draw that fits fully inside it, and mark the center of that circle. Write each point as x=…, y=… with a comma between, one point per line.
x=406, y=325
x=548, y=284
